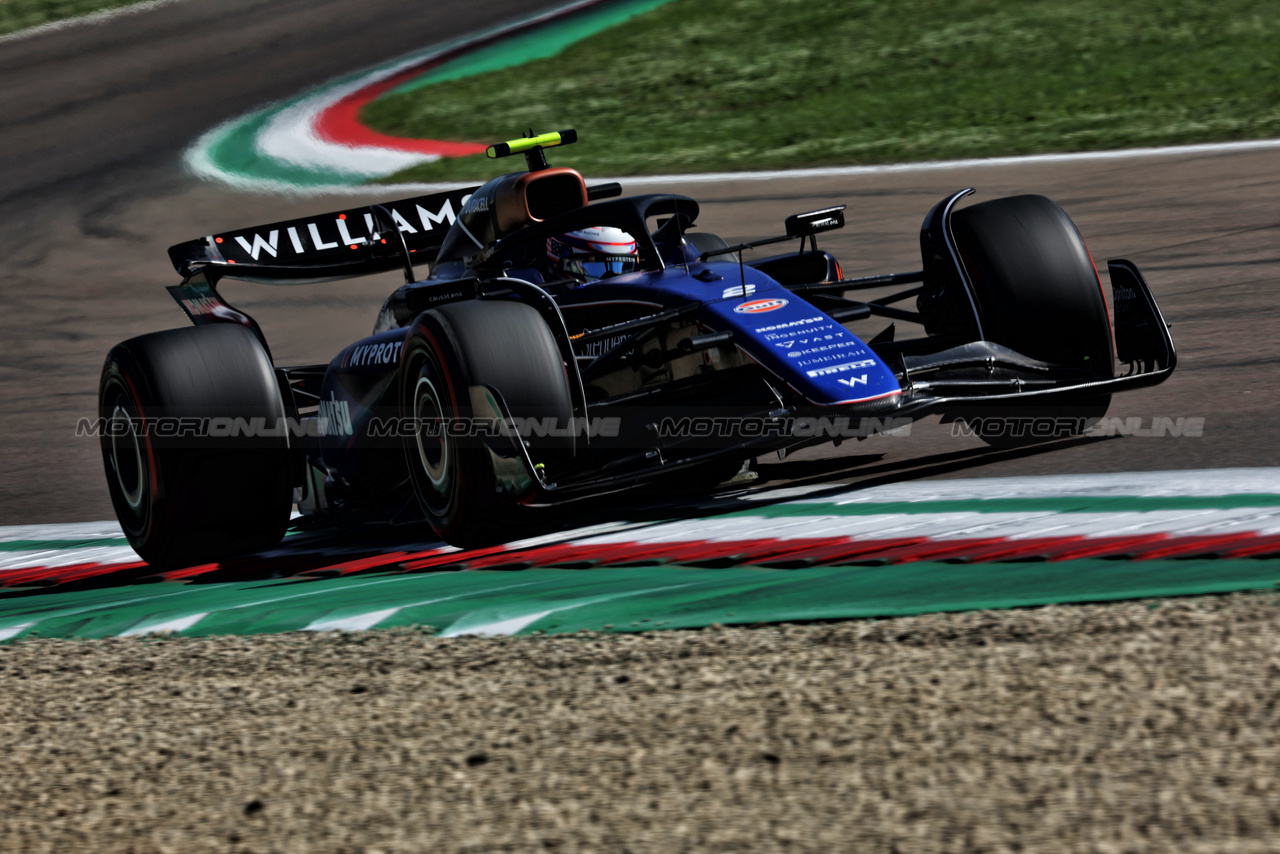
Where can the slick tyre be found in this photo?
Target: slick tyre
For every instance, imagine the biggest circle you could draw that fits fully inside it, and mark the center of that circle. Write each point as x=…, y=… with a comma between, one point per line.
x=1038, y=292
x=471, y=495
x=187, y=481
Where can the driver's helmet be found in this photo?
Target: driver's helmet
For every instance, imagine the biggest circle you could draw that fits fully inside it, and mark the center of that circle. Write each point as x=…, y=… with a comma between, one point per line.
x=592, y=253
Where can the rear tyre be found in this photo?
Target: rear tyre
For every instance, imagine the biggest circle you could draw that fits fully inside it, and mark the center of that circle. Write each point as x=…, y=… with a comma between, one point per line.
x=1038, y=292
x=184, y=494
x=470, y=497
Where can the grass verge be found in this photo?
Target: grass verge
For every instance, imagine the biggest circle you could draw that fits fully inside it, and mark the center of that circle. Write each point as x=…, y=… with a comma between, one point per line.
x=746, y=84
x=23, y=14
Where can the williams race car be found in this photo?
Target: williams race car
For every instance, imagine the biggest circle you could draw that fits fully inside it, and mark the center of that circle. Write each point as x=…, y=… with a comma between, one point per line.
x=569, y=342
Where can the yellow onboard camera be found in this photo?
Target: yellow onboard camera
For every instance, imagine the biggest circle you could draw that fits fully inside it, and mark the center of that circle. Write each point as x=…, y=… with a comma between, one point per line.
x=531, y=147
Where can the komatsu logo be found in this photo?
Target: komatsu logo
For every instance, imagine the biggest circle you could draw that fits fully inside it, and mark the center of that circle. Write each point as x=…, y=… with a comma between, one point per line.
x=334, y=417
x=820, y=320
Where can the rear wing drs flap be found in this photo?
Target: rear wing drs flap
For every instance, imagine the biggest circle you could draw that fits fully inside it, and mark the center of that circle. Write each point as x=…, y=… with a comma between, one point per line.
x=336, y=245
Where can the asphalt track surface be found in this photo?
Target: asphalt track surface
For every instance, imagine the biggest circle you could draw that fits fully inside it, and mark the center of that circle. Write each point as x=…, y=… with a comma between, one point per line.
x=1097, y=728
x=92, y=192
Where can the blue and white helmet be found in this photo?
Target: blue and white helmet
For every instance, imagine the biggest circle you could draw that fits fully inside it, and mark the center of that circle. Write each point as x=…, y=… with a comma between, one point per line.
x=592, y=253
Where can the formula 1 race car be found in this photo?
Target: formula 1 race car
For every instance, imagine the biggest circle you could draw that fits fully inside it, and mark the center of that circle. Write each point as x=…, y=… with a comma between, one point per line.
x=569, y=343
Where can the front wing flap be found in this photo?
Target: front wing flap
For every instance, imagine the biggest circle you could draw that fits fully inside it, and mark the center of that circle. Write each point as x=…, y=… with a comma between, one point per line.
x=1142, y=342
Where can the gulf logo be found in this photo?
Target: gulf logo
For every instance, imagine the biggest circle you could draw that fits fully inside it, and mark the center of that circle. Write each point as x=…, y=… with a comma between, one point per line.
x=760, y=306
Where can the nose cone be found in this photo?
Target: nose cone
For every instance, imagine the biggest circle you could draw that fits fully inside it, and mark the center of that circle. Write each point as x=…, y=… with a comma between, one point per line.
x=795, y=341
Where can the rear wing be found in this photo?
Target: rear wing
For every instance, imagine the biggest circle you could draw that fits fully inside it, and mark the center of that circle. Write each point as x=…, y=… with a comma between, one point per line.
x=336, y=245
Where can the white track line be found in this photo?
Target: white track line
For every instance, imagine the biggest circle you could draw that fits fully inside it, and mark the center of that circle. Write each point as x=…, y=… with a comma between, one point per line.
x=481, y=623
x=367, y=620
x=15, y=630
x=354, y=623
x=935, y=165
x=392, y=190
x=65, y=531
x=67, y=557
x=84, y=20
x=1191, y=483
x=164, y=627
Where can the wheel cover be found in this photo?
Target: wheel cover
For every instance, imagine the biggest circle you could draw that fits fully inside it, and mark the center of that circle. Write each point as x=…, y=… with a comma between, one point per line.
x=435, y=452
x=126, y=457
x=128, y=462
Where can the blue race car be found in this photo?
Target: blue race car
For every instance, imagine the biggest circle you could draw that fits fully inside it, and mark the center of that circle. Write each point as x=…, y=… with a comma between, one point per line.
x=568, y=342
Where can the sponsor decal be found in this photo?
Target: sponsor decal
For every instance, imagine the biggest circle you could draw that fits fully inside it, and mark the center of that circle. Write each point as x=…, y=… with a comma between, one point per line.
x=433, y=298
x=201, y=306
x=792, y=343
x=820, y=320
x=352, y=230
x=334, y=417
x=476, y=204
x=386, y=353
x=599, y=348
x=738, y=291
x=833, y=351
x=258, y=246
x=840, y=369
x=198, y=306
x=439, y=217
x=823, y=360
x=760, y=306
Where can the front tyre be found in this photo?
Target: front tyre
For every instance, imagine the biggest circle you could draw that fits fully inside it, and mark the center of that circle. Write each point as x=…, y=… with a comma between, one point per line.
x=185, y=488
x=469, y=495
x=1038, y=293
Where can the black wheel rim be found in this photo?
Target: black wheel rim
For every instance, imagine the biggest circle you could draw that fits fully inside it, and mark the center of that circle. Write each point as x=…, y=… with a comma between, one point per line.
x=432, y=443
x=127, y=461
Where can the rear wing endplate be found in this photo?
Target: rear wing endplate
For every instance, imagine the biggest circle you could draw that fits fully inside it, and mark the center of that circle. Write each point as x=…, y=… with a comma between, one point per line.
x=336, y=245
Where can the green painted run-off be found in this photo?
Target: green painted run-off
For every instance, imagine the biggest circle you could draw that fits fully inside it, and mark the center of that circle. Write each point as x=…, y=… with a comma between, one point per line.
x=614, y=599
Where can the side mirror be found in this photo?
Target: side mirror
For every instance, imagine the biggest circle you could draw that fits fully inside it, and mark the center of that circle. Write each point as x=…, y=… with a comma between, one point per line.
x=815, y=222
